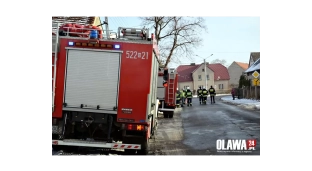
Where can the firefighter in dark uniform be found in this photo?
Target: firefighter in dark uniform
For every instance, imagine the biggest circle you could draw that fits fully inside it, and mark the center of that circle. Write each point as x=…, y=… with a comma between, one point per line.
x=212, y=93
x=200, y=94
x=205, y=95
x=189, y=96
x=178, y=98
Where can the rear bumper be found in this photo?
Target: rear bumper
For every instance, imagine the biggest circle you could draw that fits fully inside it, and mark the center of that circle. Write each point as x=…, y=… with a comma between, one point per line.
x=165, y=109
x=96, y=144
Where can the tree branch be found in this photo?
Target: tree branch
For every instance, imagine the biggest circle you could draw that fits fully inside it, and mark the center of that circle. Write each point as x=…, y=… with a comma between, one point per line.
x=176, y=36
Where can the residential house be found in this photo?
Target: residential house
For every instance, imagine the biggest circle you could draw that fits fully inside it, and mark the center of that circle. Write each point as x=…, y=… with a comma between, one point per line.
x=254, y=64
x=236, y=69
x=254, y=67
x=253, y=57
x=193, y=76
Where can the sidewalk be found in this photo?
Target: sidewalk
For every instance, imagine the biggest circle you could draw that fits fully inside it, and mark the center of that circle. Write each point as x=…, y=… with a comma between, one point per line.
x=245, y=103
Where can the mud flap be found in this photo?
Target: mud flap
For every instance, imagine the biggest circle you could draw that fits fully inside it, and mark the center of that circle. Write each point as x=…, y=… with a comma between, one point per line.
x=137, y=140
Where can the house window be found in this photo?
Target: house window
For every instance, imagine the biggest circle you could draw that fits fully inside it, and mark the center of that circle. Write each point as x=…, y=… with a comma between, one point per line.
x=203, y=70
x=185, y=87
x=220, y=86
x=207, y=77
x=199, y=77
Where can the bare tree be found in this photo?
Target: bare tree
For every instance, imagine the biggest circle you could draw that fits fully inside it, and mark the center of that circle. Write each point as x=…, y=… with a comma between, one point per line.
x=176, y=36
x=222, y=61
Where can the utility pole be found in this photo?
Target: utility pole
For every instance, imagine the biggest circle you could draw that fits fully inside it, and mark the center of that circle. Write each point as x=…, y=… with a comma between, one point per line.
x=205, y=69
x=106, y=27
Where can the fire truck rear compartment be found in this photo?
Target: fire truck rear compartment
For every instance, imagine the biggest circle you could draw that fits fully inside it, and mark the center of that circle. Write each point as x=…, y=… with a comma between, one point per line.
x=91, y=81
x=91, y=94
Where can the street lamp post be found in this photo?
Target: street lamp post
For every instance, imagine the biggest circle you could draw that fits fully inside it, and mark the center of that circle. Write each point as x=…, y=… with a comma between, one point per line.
x=205, y=69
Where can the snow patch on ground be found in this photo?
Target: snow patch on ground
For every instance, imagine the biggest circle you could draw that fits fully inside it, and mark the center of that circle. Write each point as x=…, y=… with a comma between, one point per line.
x=244, y=103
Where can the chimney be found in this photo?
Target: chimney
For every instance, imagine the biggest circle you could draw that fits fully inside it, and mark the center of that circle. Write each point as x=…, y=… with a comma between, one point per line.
x=192, y=63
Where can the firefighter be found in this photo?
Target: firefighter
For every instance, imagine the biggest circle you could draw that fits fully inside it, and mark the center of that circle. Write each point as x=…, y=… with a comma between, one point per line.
x=200, y=94
x=182, y=97
x=212, y=93
x=204, y=95
x=189, y=96
x=178, y=97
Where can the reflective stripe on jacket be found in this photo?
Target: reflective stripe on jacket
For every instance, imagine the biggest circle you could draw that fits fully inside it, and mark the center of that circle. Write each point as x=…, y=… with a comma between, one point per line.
x=205, y=93
x=189, y=94
x=200, y=92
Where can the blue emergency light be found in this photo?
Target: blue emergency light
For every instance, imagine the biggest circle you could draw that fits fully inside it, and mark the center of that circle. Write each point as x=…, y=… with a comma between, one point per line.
x=116, y=46
x=71, y=43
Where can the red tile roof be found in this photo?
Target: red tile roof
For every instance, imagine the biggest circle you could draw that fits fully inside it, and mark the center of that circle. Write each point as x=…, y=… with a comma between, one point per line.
x=219, y=71
x=185, y=72
x=243, y=65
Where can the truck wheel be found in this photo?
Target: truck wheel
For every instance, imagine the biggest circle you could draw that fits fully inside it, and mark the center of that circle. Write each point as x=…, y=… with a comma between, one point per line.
x=129, y=152
x=144, y=150
x=165, y=114
x=171, y=115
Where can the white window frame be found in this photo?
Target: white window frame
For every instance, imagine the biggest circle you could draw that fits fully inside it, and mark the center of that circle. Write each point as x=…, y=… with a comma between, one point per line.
x=222, y=87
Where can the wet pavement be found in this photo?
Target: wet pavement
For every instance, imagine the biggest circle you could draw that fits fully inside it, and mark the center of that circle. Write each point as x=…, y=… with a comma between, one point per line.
x=195, y=130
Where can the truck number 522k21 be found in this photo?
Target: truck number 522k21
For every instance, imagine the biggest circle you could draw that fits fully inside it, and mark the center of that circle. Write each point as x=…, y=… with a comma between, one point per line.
x=136, y=55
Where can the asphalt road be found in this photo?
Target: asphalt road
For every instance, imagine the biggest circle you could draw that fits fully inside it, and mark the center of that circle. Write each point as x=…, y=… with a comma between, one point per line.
x=195, y=130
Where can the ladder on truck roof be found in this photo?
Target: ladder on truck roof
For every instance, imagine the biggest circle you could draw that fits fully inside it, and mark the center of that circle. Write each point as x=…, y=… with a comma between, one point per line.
x=171, y=90
x=133, y=33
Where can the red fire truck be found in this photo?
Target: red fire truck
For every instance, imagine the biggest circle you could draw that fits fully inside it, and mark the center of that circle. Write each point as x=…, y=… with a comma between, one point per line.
x=104, y=92
x=166, y=91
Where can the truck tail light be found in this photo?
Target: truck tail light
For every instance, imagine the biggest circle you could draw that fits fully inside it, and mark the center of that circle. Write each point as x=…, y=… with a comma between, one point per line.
x=135, y=127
